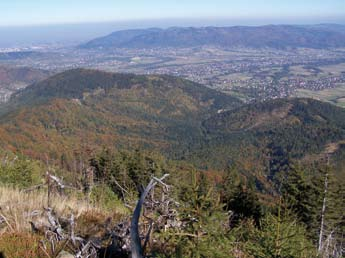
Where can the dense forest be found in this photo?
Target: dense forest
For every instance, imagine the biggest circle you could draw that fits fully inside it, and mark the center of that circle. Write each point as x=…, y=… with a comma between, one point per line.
x=191, y=214
x=96, y=164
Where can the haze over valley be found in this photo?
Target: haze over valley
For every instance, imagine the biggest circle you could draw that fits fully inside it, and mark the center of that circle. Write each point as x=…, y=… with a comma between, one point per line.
x=236, y=61
x=164, y=129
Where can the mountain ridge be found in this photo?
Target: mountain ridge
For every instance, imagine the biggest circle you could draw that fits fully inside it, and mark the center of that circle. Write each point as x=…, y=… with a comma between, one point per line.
x=268, y=36
x=81, y=109
x=108, y=108
x=74, y=83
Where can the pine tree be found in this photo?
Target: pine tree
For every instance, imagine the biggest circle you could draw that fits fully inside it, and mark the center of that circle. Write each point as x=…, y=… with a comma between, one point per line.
x=317, y=202
x=240, y=198
x=204, y=233
x=302, y=198
x=279, y=236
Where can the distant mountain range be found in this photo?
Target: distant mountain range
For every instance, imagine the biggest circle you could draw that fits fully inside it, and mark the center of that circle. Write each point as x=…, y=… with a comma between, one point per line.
x=270, y=36
x=80, y=110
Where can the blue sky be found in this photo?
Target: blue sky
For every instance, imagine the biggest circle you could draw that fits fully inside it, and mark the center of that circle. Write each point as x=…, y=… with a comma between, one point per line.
x=41, y=12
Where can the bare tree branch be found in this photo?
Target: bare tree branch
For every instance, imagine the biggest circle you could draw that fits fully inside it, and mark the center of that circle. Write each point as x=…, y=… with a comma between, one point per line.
x=136, y=248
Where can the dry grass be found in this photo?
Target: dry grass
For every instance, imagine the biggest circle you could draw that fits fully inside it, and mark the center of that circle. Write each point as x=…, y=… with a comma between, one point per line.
x=24, y=245
x=17, y=207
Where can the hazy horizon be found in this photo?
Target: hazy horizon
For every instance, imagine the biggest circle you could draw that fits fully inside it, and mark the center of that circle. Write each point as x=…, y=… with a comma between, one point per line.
x=42, y=12
x=16, y=36
x=25, y=22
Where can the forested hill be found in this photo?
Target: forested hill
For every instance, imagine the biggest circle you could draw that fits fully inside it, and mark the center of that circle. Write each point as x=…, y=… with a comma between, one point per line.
x=10, y=75
x=82, y=110
x=274, y=133
x=104, y=109
x=269, y=36
x=14, y=78
x=81, y=83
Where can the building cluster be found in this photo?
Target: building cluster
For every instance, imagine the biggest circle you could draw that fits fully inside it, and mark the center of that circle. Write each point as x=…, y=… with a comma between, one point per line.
x=260, y=73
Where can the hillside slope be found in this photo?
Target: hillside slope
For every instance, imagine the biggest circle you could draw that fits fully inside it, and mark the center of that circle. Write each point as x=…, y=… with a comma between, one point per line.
x=73, y=113
x=270, y=135
x=15, y=78
x=95, y=109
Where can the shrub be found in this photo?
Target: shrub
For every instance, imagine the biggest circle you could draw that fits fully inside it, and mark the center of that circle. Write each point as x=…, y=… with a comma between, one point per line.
x=104, y=197
x=20, y=172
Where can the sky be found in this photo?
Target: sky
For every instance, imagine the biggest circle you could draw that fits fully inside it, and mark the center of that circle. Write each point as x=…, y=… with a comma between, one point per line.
x=35, y=22
x=45, y=12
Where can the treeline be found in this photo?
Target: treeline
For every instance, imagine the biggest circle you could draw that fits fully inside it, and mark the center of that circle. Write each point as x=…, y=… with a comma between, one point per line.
x=230, y=217
x=216, y=214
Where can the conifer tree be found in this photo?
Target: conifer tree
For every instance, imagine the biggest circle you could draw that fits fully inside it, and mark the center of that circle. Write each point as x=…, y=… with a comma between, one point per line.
x=204, y=233
x=240, y=198
x=302, y=198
